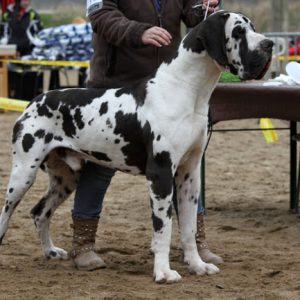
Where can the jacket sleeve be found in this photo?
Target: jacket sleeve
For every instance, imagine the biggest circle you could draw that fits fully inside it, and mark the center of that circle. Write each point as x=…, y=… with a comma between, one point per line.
x=38, y=19
x=190, y=16
x=112, y=25
x=4, y=25
x=5, y=17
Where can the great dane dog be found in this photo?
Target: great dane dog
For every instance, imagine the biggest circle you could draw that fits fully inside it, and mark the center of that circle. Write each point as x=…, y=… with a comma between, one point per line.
x=156, y=127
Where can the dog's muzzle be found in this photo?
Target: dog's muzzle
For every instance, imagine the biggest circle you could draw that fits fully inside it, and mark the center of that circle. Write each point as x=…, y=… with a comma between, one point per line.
x=258, y=61
x=266, y=46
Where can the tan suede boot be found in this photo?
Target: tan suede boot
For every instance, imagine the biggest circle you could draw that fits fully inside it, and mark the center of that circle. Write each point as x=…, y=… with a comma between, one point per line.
x=83, y=254
x=203, y=250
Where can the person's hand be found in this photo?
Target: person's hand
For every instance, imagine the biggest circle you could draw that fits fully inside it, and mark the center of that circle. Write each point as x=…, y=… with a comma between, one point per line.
x=156, y=36
x=213, y=5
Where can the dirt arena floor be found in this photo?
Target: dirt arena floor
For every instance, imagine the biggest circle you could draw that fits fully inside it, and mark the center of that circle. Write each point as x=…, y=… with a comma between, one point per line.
x=248, y=224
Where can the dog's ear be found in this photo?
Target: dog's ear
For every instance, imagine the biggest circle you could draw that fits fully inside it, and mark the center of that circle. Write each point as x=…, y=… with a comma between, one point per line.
x=212, y=37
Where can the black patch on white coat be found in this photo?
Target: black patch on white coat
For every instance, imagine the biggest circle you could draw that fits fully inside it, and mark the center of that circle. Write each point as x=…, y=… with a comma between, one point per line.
x=52, y=254
x=246, y=19
x=207, y=36
x=238, y=22
x=18, y=127
x=129, y=128
x=64, y=101
x=48, y=214
x=192, y=42
x=157, y=222
x=40, y=133
x=78, y=118
x=44, y=111
x=109, y=124
x=38, y=208
x=103, y=108
x=170, y=58
x=27, y=142
x=137, y=90
x=238, y=32
x=58, y=138
x=48, y=138
x=169, y=211
x=72, y=97
x=68, y=124
x=159, y=172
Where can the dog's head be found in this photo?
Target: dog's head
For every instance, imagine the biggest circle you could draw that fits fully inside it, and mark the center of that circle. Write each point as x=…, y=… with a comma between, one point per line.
x=230, y=39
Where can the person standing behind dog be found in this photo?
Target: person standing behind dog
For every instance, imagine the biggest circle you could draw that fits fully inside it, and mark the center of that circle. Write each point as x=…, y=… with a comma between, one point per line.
x=130, y=40
x=18, y=18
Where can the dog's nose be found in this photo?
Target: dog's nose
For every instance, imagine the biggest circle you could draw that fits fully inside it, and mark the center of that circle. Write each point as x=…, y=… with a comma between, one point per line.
x=266, y=45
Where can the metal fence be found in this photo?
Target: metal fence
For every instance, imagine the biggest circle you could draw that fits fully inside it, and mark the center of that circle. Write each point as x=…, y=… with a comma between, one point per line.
x=286, y=48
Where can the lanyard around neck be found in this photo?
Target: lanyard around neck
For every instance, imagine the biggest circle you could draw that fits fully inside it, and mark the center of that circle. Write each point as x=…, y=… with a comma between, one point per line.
x=157, y=4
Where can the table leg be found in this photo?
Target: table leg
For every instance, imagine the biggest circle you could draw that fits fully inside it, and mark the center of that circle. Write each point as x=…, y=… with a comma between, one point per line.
x=293, y=168
x=202, y=177
x=54, y=79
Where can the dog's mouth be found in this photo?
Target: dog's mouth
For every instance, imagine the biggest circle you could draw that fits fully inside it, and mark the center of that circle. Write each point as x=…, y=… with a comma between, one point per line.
x=264, y=70
x=257, y=69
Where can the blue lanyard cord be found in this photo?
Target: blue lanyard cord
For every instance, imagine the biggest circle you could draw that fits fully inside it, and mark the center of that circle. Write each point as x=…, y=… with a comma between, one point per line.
x=157, y=5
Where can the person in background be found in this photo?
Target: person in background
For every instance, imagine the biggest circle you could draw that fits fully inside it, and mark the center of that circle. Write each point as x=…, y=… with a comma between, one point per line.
x=130, y=40
x=17, y=19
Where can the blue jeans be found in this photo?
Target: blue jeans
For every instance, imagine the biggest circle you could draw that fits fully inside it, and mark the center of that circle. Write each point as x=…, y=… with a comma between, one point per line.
x=200, y=209
x=93, y=183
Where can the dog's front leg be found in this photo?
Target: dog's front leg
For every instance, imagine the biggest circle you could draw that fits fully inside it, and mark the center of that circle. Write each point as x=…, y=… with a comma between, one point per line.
x=188, y=189
x=160, y=182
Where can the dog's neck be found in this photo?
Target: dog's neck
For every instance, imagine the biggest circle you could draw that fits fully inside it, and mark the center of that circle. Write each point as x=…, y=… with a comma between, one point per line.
x=196, y=73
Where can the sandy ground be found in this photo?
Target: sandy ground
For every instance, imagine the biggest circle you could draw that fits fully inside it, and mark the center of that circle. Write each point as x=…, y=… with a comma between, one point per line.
x=248, y=224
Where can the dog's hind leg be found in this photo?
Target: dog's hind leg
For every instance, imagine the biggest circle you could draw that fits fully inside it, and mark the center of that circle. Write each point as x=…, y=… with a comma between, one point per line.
x=22, y=176
x=62, y=182
x=160, y=182
x=188, y=189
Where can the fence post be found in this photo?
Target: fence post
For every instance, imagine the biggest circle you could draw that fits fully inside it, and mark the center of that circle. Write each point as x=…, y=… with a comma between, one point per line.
x=279, y=15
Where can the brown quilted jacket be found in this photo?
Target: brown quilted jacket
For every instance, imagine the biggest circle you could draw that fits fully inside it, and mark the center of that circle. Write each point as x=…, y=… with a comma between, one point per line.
x=119, y=56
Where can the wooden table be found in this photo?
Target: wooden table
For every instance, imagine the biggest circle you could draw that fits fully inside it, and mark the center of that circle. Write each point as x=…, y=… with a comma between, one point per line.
x=234, y=101
x=6, y=52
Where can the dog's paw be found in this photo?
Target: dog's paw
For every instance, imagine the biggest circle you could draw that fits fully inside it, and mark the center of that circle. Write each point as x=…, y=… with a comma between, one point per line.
x=166, y=276
x=56, y=253
x=203, y=269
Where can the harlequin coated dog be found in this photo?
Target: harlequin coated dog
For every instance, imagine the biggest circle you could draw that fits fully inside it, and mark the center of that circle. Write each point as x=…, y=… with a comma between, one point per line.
x=156, y=127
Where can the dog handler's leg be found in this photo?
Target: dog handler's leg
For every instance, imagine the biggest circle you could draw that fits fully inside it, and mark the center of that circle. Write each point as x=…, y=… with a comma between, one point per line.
x=92, y=186
x=188, y=185
x=160, y=182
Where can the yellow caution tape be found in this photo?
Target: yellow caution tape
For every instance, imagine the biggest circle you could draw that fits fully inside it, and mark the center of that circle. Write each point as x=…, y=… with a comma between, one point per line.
x=270, y=135
x=61, y=63
x=13, y=104
x=288, y=57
